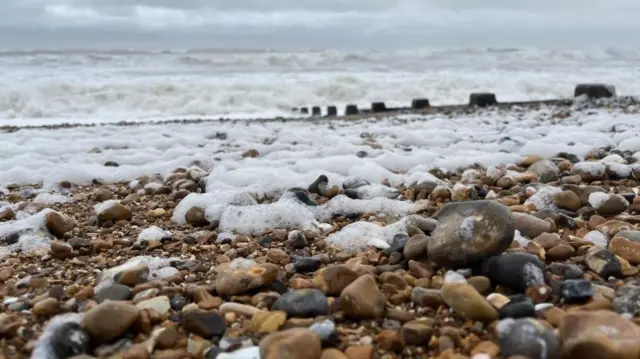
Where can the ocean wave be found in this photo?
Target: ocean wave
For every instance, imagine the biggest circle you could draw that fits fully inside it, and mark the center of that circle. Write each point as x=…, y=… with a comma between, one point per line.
x=123, y=84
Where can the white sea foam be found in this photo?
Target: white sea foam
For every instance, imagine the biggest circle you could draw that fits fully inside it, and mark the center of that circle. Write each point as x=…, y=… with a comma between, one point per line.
x=296, y=153
x=115, y=86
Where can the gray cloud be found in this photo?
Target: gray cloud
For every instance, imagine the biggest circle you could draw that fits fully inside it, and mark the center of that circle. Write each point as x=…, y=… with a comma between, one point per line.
x=320, y=22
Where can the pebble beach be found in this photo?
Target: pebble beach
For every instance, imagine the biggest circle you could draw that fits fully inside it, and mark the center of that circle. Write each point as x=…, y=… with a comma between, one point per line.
x=509, y=232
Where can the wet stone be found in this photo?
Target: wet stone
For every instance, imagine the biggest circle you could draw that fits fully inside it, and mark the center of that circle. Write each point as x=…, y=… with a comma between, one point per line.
x=178, y=302
x=296, y=240
x=302, y=303
x=69, y=340
x=568, y=271
x=603, y=262
x=204, y=324
x=599, y=334
x=627, y=298
x=241, y=280
x=307, y=264
x=325, y=329
x=528, y=338
x=265, y=242
x=397, y=244
x=468, y=232
x=468, y=303
x=416, y=247
x=519, y=306
x=362, y=299
x=576, y=290
x=514, y=270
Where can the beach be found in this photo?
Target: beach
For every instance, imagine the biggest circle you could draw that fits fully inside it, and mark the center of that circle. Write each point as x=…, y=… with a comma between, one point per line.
x=499, y=232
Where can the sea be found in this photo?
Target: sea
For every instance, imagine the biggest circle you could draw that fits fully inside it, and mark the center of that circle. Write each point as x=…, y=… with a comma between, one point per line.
x=114, y=85
x=76, y=60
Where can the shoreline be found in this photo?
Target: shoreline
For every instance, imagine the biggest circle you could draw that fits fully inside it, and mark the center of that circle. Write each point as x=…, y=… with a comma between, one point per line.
x=365, y=114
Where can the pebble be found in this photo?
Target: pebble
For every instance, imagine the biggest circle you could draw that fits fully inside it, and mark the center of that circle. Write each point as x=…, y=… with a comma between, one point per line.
x=519, y=306
x=102, y=194
x=160, y=304
x=426, y=297
x=416, y=332
x=362, y=299
x=603, y=262
x=109, y=320
x=532, y=226
x=278, y=256
x=302, y=303
x=546, y=170
x=389, y=340
x=46, y=307
x=498, y=300
x=69, y=340
x=158, y=212
x=324, y=329
x=116, y=212
x=607, y=204
x=197, y=346
x=58, y=224
x=626, y=249
x=590, y=171
x=568, y=200
x=576, y=290
x=245, y=353
x=307, y=264
x=296, y=240
x=166, y=337
x=133, y=275
x=517, y=271
x=296, y=343
x=146, y=294
x=360, y=352
x=61, y=250
x=548, y=240
x=241, y=280
x=239, y=309
x=332, y=280
x=195, y=216
x=485, y=347
x=268, y=322
x=178, y=302
x=627, y=298
x=599, y=335
x=468, y=232
x=632, y=235
x=465, y=300
x=7, y=214
x=397, y=244
x=332, y=353
x=528, y=338
x=481, y=283
x=416, y=247
x=204, y=324
x=233, y=343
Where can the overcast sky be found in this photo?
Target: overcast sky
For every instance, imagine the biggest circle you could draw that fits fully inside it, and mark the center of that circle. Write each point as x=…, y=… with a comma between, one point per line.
x=317, y=23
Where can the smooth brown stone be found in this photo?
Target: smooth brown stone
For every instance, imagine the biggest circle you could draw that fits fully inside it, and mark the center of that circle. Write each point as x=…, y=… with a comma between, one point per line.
x=332, y=353
x=481, y=283
x=468, y=303
x=359, y=352
x=599, y=335
x=332, y=280
x=362, y=299
x=297, y=343
x=560, y=253
x=416, y=333
x=626, y=249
